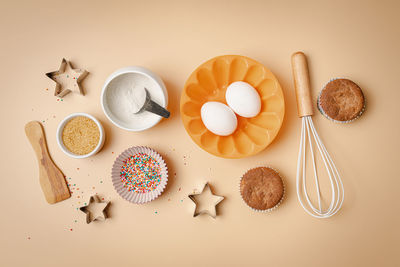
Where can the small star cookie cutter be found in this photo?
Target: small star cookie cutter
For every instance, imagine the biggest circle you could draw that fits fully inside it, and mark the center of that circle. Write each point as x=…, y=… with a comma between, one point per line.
x=67, y=79
x=217, y=199
x=90, y=216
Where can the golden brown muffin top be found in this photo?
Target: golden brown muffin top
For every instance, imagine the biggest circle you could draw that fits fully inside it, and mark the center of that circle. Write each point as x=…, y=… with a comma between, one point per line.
x=341, y=100
x=261, y=188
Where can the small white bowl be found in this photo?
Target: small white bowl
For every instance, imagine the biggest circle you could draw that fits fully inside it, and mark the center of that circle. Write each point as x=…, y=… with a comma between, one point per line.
x=61, y=128
x=125, y=73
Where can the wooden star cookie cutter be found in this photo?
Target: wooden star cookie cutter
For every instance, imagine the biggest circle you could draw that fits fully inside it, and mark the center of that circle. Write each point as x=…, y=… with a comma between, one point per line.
x=217, y=200
x=90, y=217
x=67, y=79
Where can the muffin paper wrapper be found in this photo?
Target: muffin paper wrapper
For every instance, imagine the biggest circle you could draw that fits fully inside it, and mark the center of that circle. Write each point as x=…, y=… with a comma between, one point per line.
x=326, y=115
x=270, y=209
x=131, y=196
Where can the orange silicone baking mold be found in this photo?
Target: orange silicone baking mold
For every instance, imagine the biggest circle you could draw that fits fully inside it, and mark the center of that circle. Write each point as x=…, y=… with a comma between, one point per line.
x=209, y=82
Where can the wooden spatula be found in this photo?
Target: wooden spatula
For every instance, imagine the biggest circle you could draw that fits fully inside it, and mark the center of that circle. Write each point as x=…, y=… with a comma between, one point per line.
x=52, y=180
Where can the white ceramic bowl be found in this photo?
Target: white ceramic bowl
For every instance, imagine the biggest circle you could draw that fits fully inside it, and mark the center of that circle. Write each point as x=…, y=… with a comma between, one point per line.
x=126, y=73
x=61, y=128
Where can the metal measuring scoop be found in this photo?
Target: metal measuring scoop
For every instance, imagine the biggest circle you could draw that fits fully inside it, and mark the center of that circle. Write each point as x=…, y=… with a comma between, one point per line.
x=144, y=102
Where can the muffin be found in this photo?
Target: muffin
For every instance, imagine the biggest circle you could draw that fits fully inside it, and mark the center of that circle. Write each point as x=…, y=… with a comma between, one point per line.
x=262, y=188
x=341, y=100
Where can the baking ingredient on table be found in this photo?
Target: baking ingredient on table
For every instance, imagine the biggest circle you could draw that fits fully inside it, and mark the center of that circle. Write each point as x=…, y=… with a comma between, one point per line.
x=205, y=201
x=262, y=188
x=140, y=173
x=218, y=118
x=310, y=136
x=209, y=82
x=243, y=99
x=341, y=100
x=124, y=96
x=51, y=179
x=80, y=135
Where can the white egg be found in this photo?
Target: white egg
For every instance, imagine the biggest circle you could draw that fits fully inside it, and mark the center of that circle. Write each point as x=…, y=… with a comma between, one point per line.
x=218, y=118
x=243, y=99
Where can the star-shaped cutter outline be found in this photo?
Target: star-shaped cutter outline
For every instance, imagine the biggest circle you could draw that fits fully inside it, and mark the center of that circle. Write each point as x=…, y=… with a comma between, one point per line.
x=89, y=218
x=212, y=214
x=61, y=92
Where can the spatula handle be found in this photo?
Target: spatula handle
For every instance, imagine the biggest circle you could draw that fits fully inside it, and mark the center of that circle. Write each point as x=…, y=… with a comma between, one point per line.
x=302, y=84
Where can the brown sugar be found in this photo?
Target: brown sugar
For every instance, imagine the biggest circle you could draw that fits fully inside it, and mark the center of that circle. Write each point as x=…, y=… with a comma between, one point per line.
x=80, y=135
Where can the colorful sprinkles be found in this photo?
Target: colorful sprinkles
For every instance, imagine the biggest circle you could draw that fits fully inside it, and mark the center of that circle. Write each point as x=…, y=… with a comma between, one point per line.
x=140, y=173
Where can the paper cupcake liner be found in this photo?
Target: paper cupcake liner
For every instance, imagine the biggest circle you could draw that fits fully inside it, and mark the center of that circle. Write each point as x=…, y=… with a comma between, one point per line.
x=326, y=115
x=131, y=196
x=277, y=204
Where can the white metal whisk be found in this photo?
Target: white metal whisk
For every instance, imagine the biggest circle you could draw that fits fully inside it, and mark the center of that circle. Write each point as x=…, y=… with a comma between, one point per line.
x=309, y=135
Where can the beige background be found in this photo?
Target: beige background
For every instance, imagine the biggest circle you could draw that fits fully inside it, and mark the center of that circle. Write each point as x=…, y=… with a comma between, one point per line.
x=358, y=40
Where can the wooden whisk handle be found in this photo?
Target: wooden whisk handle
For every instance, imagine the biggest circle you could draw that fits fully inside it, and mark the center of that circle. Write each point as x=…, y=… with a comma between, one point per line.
x=302, y=84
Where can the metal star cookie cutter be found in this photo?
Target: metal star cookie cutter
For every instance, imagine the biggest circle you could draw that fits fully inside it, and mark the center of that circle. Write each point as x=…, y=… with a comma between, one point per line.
x=217, y=200
x=67, y=81
x=90, y=217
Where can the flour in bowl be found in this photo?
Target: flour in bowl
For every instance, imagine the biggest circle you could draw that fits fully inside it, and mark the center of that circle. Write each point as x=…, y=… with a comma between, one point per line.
x=125, y=96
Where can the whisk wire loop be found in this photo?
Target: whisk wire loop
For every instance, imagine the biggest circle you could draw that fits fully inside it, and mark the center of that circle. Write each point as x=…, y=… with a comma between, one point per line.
x=309, y=133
